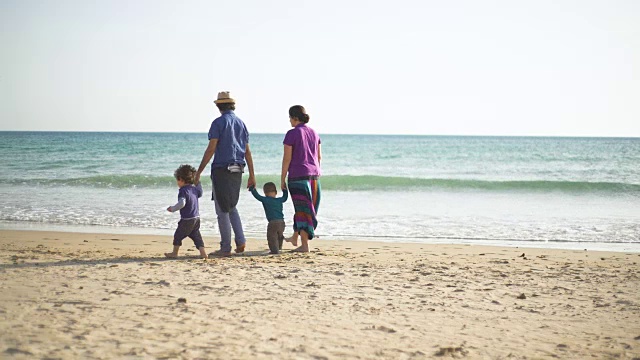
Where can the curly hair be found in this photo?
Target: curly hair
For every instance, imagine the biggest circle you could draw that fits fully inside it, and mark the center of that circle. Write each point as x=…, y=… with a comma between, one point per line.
x=186, y=173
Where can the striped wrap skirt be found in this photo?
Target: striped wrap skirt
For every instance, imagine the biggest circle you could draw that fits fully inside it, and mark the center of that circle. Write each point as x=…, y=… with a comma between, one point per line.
x=305, y=194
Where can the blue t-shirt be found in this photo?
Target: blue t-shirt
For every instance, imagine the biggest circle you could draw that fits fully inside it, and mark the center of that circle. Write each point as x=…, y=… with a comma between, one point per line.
x=272, y=206
x=191, y=194
x=233, y=138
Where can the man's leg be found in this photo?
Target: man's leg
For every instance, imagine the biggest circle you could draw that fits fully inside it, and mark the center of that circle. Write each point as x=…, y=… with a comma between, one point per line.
x=224, y=225
x=236, y=223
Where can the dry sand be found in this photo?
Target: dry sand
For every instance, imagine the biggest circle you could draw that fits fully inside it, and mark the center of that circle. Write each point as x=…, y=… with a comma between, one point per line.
x=98, y=296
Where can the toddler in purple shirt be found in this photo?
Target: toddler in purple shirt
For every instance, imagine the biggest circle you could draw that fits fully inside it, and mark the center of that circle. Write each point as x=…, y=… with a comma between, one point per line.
x=189, y=224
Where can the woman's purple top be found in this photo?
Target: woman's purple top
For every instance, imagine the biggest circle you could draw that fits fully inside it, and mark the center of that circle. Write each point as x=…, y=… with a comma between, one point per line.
x=304, y=155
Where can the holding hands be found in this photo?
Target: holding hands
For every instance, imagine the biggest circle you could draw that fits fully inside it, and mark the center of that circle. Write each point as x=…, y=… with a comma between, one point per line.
x=251, y=182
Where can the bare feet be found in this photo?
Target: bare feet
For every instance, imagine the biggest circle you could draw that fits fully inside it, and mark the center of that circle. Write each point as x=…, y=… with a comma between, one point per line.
x=293, y=239
x=174, y=253
x=304, y=237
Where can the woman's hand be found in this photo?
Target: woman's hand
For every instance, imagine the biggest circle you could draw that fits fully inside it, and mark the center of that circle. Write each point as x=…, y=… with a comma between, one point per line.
x=196, y=179
x=283, y=185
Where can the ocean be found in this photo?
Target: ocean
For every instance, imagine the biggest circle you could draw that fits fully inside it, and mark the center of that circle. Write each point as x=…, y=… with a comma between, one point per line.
x=517, y=191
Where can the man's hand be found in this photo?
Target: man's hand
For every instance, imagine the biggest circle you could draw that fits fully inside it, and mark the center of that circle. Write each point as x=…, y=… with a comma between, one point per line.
x=283, y=185
x=251, y=182
x=196, y=180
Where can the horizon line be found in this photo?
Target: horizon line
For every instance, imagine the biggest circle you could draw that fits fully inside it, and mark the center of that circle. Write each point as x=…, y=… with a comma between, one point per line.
x=339, y=134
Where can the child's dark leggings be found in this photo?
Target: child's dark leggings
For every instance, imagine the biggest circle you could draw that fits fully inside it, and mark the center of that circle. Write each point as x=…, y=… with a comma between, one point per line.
x=275, y=231
x=188, y=228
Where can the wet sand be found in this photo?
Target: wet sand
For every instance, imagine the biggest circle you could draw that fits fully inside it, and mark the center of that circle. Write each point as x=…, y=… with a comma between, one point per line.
x=100, y=296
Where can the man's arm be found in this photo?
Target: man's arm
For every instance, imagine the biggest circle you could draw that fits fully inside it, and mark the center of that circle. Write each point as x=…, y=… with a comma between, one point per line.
x=208, y=154
x=286, y=160
x=319, y=153
x=252, y=178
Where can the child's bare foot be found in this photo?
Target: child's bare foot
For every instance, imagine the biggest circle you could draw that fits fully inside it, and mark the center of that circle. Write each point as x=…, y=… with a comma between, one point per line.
x=293, y=239
x=174, y=253
x=203, y=253
x=303, y=249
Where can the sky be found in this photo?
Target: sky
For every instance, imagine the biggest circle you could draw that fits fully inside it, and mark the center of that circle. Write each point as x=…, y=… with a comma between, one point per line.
x=525, y=68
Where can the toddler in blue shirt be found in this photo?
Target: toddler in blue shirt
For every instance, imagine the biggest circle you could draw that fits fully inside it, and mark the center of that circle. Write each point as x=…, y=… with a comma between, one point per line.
x=273, y=210
x=189, y=224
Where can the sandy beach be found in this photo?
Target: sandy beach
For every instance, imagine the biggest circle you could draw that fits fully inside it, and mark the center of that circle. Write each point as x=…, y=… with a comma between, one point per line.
x=100, y=296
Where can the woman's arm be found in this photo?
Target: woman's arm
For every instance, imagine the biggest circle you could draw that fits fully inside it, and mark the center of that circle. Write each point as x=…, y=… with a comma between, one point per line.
x=286, y=160
x=252, y=177
x=208, y=154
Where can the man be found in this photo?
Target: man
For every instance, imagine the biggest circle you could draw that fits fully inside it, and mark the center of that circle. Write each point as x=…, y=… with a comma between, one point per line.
x=229, y=147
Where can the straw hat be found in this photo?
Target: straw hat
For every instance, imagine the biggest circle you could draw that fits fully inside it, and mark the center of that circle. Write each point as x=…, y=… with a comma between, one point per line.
x=224, y=98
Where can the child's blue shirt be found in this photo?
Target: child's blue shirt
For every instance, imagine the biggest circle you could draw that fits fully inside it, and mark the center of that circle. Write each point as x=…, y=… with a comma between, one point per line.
x=272, y=206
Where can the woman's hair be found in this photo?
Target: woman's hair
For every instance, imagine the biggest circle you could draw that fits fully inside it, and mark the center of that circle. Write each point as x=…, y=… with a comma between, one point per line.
x=269, y=188
x=298, y=112
x=186, y=173
x=226, y=106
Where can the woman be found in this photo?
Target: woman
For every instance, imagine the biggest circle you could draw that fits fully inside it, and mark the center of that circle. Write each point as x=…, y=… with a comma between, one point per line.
x=301, y=161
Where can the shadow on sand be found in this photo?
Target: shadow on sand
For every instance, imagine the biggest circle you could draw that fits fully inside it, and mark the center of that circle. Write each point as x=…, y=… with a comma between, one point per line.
x=154, y=260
